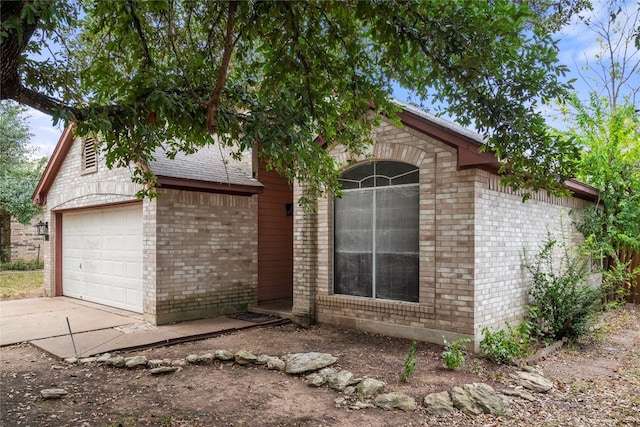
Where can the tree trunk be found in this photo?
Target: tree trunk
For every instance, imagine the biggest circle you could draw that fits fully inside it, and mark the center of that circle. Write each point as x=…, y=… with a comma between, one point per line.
x=5, y=236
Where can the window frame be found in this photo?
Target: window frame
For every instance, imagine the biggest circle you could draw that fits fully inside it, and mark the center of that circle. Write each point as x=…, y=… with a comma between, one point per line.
x=375, y=189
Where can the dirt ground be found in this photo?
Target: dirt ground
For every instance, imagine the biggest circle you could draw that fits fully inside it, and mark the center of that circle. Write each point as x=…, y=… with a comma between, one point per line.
x=597, y=383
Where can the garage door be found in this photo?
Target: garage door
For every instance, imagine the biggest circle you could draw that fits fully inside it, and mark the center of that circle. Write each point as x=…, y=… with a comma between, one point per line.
x=102, y=256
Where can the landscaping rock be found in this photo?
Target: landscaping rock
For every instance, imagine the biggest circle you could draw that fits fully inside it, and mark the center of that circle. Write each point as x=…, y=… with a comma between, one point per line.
x=478, y=398
x=519, y=393
x=299, y=363
x=71, y=360
x=53, y=393
x=244, y=357
x=439, y=403
x=395, y=400
x=463, y=400
x=87, y=360
x=224, y=355
x=534, y=382
x=103, y=357
x=155, y=363
x=163, y=370
x=207, y=358
x=193, y=358
x=339, y=380
x=276, y=363
x=135, y=362
x=369, y=387
x=116, y=362
x=316, y=379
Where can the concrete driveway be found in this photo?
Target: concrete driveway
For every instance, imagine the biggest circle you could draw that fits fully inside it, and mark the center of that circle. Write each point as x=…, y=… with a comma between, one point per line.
x=97, y=329
x=26, y=320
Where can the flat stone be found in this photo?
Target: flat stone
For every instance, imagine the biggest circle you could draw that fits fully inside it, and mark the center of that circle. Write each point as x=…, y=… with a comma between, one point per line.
x=71, y=360
x=53, y=393
x=299, y=363
x=193, y=358
x=478, y=398
x=206, y=358
x=519, y=393
x=103, y=357
x=369, y=387
x=224, y=355
x=116, y=362
x=463, y=400
x=395, y=400
x=244, y=357
x=87, y=360
x=163, y=370
x=439, y=403
x=275, y=363
x=316, y=380
x=340, y=380
x=534, y=382
x=135, y=362
x=155, y=363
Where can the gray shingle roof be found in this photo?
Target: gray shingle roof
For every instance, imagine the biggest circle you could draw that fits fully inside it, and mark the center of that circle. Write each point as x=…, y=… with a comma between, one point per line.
x=212, y=163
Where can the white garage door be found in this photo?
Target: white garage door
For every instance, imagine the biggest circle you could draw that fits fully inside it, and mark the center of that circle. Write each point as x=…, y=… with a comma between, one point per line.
x=102, y=256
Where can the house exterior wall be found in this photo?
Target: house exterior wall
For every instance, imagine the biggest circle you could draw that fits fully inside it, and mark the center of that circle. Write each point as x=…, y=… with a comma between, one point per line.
x=505, y=228
x=472, y=233
x=205, y=260
x=25, y=244
x=74, y=190
x=446, y=249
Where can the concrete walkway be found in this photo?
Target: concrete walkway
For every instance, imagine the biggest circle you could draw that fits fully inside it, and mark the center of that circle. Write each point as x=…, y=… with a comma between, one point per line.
x=96, y=328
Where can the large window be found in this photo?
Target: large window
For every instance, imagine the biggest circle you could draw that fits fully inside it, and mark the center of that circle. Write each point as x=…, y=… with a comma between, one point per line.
x=376, y=232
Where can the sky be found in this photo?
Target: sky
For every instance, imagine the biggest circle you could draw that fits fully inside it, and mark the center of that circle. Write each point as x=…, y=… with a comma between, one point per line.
x=577, y=45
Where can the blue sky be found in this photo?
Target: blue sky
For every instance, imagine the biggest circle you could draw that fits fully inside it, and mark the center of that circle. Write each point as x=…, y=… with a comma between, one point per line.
x=577, y=44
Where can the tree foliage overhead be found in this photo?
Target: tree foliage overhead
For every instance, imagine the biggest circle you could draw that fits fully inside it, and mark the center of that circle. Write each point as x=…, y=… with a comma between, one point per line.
x=276, y=75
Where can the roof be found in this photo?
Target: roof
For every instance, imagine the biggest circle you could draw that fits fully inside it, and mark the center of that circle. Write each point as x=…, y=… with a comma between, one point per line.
x=468, y=143
x=211, y=169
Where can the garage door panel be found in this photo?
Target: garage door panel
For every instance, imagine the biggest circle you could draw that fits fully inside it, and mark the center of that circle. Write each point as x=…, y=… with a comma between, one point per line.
x=102, y=256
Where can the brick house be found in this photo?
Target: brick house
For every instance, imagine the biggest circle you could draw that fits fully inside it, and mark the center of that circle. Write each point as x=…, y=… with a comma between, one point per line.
x=424, y=243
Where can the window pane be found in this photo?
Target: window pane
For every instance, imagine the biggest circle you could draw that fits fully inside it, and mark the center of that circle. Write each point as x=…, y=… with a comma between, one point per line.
x=397, y=260
x=359, y=172
x=354, y=243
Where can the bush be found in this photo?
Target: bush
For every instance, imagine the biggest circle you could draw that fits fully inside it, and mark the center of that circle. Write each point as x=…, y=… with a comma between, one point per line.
x=562, y=300
x=506, y=345
x=21, y=265
x=454, y=352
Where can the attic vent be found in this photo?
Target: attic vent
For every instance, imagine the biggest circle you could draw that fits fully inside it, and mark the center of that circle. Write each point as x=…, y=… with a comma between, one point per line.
x=89, y=156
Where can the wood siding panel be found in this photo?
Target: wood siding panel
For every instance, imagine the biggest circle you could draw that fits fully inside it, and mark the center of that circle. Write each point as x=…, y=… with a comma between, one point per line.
x=275, y=238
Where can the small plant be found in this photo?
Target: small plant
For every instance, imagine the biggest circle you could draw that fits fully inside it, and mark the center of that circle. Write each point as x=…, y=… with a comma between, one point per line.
x=506, y=345
x=454, y=352
x=409, y=366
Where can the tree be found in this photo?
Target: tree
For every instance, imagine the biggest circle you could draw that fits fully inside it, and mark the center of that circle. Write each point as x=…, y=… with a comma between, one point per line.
x=276, y=75
x=19, y=175
x=608, y=129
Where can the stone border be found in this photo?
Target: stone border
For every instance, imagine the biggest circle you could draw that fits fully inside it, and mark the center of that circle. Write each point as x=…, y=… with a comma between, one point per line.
x=541, y=354
x=357, y=393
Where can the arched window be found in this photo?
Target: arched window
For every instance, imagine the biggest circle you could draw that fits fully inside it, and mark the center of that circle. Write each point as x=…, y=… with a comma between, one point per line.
x=376, y=250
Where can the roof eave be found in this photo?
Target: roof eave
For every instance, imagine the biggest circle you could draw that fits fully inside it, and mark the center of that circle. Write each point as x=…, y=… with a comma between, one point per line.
x=208, y=186
x=53, y=166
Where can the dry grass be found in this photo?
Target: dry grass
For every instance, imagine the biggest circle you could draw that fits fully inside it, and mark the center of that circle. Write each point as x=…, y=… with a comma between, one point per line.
x=20, y=284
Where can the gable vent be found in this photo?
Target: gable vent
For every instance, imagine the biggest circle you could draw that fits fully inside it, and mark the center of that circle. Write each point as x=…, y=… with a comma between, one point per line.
x=89, y=156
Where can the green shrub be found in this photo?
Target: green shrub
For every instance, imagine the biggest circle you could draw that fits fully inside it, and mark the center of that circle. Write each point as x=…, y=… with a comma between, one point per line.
x=506, y=345
x=21, y=265
x=410, y=362
x=454, y=352
x=562, y=300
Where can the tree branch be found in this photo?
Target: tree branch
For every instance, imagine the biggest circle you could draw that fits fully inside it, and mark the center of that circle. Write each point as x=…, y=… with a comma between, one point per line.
x=214, y=102
x=138, y=26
